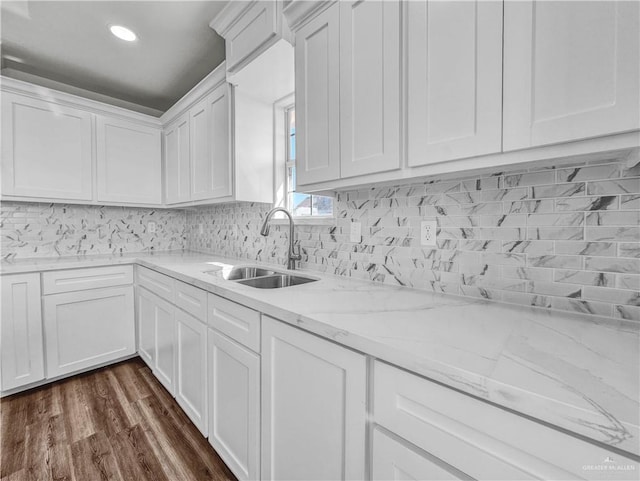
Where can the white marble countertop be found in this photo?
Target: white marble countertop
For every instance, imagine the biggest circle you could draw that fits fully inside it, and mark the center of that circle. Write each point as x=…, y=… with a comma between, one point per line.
x=576, y=372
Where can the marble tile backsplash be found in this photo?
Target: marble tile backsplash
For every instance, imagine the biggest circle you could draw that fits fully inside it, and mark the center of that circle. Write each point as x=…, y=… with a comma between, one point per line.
x=565, y=238
x=46, y=230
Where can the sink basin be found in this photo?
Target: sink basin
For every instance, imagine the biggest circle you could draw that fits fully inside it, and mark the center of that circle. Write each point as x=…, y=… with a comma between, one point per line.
x=247, y=272
x=237, y=273
x=276, y=281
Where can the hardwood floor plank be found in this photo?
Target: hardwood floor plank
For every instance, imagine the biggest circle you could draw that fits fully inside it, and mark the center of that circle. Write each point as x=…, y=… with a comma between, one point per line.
x=129, y=378
x=116, y=423
x=78, y=423
x=176, y=441
x=135, y=457
x=107, y=413
x=93, y=459
x=13, y=421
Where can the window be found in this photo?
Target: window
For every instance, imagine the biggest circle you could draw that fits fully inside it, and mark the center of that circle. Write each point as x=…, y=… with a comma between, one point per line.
x=299, y=204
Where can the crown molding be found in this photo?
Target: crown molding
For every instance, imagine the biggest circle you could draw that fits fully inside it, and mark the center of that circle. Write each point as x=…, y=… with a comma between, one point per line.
x=229, y=15
x=298, y=12
x=197, y=93
x=28, y=89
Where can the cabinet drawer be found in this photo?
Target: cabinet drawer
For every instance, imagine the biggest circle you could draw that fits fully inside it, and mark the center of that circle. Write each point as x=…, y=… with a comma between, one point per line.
x=192, y=300
x=481, y=440
x=57, y=282
x=236, y=321
x=391, y=456
x=157, y=283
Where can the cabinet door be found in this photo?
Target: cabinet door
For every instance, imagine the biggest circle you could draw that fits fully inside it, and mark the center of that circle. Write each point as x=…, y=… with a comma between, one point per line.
x=129, y=160
x=21, y=350
x=369, y=87
x=393, y=460
x=317, y=59
x=313, y=406
x=46, y=149
x=571, y=70
x=250, y=33
x=201, y=178
x=191, y=376
x=86, y=328
x=453, y=79
x=177, y=162
x=165, y=367
x=234, y=405
x=146, y=318
x=222, y=158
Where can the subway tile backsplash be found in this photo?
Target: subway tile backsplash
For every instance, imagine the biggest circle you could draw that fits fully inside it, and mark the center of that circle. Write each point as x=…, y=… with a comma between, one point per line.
x=564, y=238
x=46, y=230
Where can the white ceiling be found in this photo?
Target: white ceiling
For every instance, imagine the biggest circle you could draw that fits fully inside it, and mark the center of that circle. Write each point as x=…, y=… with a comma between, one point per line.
x=67, y=43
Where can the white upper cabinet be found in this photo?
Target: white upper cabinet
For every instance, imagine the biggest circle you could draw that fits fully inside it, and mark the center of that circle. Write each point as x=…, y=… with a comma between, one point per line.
x=253, y=29
x=211, y=155
x=177, y=164
x=454, y=80
x=46, y=149
x=129, y=160
x=219, y=106
x=317, y=52
x=571, y=71
x=200, y=151
x=369, y=87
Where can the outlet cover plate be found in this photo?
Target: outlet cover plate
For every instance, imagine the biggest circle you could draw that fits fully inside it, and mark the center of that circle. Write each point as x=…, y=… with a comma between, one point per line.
x=355, y=232
x=151, y=226
x=428, y=232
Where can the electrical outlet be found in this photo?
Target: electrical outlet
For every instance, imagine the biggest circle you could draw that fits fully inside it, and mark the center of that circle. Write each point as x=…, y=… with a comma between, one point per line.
x=151, y=226
x=355, y=232
x=200, y=228
x=428, y=232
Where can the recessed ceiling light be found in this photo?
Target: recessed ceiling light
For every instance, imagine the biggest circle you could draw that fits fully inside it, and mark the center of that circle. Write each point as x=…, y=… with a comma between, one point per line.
x=123, y=33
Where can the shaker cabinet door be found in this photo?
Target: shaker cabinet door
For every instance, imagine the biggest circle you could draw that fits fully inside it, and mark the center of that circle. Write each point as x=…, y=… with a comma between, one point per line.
x=177, y=162
x=453, y=80
x=21, y=348
x=317, y=57
x=313, y=406
x=571, y=70
x=46, y=149
x=369, y=87
x=129, y=158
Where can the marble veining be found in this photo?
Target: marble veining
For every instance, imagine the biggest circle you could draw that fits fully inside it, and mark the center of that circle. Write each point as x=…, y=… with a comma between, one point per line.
x=579, y=373
x=571, y=226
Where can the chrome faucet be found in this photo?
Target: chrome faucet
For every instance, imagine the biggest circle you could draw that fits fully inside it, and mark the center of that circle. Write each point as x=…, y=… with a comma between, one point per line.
x=264, y=230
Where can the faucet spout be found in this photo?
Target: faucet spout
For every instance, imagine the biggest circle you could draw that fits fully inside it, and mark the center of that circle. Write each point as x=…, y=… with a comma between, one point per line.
x=293, y=256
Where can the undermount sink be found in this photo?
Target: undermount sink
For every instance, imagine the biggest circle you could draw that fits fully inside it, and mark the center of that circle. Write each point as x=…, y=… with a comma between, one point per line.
x=276, y=281
x=247, y=272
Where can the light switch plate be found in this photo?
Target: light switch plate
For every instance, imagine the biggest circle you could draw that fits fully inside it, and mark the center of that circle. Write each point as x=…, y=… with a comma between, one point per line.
x=151, y=226
x=200, y=229
x=355, y=232
x=428, y=232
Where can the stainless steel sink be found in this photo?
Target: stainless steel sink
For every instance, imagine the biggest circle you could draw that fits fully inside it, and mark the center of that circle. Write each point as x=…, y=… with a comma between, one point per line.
x=247, y=272
x=276, y=281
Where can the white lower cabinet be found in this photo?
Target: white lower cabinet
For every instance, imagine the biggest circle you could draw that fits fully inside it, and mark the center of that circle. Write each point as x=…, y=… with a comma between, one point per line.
x=234, y=405
x=86, y=328
x=191, y=366
x=394, y=460
x=313, y=406
x=165, y=365
x=21, y=349
x=462, y=437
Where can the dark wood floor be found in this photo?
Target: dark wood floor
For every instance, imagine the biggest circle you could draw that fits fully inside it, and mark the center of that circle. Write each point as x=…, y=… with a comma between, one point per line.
x=116, y=423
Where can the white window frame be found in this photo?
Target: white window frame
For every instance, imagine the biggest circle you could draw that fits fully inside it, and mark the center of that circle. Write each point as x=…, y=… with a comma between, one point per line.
x=281, y=165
